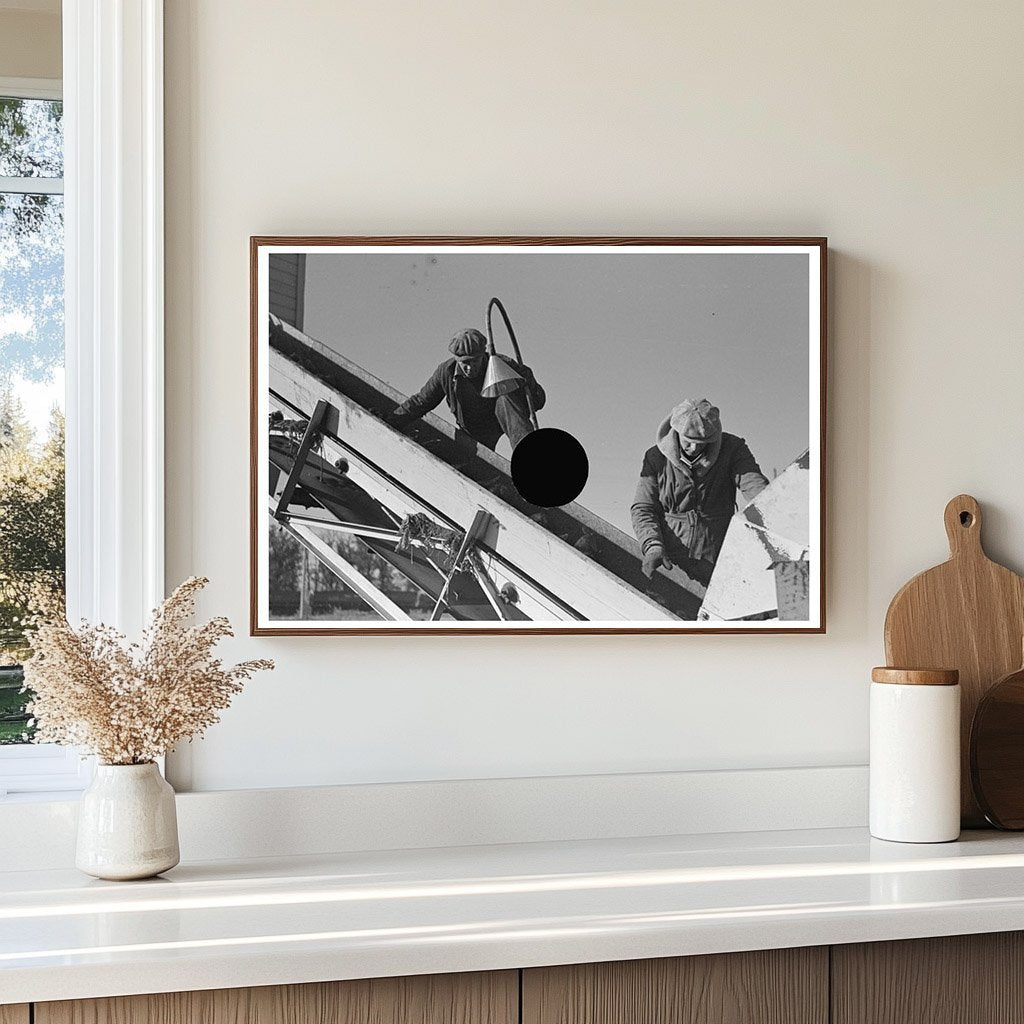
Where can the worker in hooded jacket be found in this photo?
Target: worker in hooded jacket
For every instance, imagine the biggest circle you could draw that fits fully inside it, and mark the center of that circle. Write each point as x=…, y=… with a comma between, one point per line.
x=459, y=380
x=687, y=490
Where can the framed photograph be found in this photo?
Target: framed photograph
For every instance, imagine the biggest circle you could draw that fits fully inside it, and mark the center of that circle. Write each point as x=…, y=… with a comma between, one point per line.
x=538, y=435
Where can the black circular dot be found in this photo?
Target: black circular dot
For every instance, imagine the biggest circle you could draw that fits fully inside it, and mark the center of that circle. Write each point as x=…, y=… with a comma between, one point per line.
x=549, y=467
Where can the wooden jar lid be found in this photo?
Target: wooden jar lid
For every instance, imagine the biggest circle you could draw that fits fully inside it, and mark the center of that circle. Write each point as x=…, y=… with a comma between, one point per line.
x=916, y=676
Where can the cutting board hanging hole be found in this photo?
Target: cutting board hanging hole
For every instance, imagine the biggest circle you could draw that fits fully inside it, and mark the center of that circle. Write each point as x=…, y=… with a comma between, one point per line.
x=963, y=526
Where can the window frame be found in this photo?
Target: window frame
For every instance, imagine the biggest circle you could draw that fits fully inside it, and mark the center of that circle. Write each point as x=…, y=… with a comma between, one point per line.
x=38, y=767
x=32, y=89
x=112, y=90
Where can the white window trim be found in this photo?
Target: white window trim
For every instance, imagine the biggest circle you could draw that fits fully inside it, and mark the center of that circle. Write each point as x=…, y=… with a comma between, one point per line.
x=32, y=186
x=32, y=88
x=114, y=324
x=42, y=768
x=113, y=169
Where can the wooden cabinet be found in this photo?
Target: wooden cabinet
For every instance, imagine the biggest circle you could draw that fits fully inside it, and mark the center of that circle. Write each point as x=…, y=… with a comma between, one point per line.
x=967, y=979
x=962, y=979
x=491, y=998
x=777, y=986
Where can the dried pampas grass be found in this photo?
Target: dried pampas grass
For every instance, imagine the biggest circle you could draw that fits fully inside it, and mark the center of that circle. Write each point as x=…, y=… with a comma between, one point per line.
x=130, y=703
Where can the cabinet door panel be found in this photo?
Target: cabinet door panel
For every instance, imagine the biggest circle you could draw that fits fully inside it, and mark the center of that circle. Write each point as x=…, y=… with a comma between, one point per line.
x=777, y=986
x=14, y=1014
x=483, y=998
x=960, y=979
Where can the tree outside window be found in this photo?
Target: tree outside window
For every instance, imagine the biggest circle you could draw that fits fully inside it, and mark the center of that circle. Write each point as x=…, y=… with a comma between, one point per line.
x=32, y=543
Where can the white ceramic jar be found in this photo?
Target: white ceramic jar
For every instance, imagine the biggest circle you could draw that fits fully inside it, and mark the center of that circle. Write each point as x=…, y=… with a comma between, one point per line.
x=127, y=823
x=915, y=755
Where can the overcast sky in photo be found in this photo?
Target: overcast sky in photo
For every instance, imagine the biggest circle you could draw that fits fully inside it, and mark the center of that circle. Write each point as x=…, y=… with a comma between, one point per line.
x=616, y=340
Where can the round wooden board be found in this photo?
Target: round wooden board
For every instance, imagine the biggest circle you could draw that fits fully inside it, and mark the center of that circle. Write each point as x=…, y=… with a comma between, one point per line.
x=997, y=752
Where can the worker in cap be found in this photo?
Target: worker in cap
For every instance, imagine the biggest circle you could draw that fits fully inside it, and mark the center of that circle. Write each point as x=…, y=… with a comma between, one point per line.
x=687, y=490
x=458, y=381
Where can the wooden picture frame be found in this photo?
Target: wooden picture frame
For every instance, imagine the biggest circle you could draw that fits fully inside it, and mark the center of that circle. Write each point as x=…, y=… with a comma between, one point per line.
x=370, y=515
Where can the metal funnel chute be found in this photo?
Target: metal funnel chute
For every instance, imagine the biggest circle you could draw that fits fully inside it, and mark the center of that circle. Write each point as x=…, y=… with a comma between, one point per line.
x=500, y=378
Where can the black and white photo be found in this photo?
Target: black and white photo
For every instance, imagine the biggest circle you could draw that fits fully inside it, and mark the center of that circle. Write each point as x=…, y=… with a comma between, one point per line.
x=537, y=435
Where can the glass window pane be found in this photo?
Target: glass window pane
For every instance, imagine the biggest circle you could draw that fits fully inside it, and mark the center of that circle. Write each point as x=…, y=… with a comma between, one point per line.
x=31, y=138
x=31, y=431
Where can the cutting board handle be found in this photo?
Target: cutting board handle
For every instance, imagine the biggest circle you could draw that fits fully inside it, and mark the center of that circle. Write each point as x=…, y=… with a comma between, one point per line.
x=963, y=527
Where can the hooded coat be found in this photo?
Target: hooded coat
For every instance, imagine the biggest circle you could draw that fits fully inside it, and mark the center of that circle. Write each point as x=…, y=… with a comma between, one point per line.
x=684, y=505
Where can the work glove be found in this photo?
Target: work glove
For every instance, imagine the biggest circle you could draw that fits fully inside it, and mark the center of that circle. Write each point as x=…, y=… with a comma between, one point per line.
x=654, y=558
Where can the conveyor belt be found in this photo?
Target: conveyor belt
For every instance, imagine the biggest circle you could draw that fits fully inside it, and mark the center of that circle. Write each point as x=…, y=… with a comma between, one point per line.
x=605, y=545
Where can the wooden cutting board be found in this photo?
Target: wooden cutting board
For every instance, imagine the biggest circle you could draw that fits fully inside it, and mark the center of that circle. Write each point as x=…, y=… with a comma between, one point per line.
x=967, y=614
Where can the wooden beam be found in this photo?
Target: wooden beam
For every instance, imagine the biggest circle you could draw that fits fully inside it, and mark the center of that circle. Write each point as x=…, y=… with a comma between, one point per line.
x=535, y=602
x=597, y=593
x=618, y=552
x=309, y=438
x=354, y=529
x=480, y=525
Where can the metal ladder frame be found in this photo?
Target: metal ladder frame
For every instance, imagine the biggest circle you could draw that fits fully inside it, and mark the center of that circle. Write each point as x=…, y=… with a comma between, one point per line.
x=299, y=526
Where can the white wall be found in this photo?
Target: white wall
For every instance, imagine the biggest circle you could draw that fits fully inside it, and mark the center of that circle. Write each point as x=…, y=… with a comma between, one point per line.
x=895, y=129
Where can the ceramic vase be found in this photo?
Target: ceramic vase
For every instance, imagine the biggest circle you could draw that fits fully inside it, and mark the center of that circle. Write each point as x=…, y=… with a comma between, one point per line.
x=127, y=825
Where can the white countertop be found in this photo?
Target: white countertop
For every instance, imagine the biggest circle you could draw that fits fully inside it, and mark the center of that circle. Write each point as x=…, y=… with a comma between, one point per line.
x=225, y=924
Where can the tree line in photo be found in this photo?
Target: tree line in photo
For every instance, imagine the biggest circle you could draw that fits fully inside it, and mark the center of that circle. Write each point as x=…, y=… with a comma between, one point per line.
x=32, y=547
x=301, y=587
